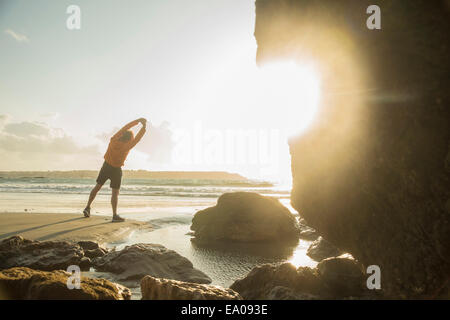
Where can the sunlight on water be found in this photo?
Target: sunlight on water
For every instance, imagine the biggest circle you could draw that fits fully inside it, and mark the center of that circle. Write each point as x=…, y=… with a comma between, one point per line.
x=299, y=258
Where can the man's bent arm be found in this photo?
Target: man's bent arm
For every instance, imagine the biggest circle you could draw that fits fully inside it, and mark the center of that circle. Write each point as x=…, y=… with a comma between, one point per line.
x=125, y=128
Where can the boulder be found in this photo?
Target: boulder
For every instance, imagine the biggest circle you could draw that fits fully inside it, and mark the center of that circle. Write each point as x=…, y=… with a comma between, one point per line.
x=165, y=289
x=321, y=249
x=92, y=249
x=261, y=282
x=245, y=217
x=343, y=276
x=47, y=255
x=25, y=283
x=334, y=278
x=138, y=260
x=85, y=264
x=372, y=173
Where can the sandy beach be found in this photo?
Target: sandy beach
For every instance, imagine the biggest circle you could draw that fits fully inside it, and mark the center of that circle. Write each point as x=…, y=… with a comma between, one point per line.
x=72, y=227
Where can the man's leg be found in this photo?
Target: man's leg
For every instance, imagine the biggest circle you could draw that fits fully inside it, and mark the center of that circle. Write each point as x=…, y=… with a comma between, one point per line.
x=114, y=201
x=92, y=195
x=101, y=179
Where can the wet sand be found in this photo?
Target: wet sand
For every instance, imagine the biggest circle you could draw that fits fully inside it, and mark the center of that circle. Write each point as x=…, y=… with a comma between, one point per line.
x=71, y=227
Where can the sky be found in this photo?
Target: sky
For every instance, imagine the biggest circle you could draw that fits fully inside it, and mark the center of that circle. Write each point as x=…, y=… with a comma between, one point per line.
x=187, y=66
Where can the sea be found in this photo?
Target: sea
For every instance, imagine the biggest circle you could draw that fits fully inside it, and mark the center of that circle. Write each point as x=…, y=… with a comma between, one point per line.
x=168, y=205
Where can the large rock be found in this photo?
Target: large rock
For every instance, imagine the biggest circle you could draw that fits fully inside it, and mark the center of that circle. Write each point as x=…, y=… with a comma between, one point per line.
x=262, y=281
x=343, y=276
x=321, y=249
x=165, y=289
x=245, y=217
x=136, y=261
x=372, y=174
x=48, y=255
x=25, y=283
x=334, y=278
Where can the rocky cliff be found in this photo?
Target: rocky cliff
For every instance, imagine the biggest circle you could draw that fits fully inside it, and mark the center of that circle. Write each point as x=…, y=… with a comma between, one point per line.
x=372, y=173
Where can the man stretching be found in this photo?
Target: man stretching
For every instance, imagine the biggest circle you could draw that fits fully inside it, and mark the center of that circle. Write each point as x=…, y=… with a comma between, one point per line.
x=119, y=147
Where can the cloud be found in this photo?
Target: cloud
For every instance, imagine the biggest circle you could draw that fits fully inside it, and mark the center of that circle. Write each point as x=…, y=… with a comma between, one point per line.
x=27, y=129
x=37, y=146
x=157, y=144
x=49, y=115
x=17, y=36
x=4, y=118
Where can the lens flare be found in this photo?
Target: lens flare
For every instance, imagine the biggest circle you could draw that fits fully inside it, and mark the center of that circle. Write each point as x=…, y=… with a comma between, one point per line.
x=291, y=91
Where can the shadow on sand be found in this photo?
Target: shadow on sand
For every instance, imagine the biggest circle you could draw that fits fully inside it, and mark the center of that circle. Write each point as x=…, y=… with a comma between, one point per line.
x=13, y=233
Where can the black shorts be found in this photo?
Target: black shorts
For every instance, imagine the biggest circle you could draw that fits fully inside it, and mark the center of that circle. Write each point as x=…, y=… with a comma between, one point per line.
x=109, y=172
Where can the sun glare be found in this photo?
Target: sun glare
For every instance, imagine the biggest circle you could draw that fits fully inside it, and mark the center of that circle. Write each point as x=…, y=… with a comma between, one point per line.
x=299, y=257
x=290, y=94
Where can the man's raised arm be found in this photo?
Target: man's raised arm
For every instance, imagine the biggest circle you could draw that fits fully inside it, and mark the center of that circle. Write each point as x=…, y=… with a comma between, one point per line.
x=126, y=127
x=139, y=135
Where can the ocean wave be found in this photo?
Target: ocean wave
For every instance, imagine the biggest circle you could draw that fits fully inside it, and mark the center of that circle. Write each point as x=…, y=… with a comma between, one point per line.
x=139, y=187
x=145, y=182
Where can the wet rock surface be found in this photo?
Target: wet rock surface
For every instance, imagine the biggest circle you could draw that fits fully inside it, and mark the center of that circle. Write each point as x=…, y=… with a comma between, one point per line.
x=47, y=255
x=127, y=266
x=138, y=260
x=321, y=249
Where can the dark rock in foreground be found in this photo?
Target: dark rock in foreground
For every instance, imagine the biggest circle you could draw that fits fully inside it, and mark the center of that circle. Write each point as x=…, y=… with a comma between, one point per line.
x=165, y=289
x=245, y=217
x=28, y=284
x=261, y=281
x=342, y=276
x=47, y=255
x=321, y=249
x=136, y=261
x=334, y=278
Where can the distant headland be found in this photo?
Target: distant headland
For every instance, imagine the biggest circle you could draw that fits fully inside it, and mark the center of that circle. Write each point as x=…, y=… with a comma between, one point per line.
x=133, y=174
